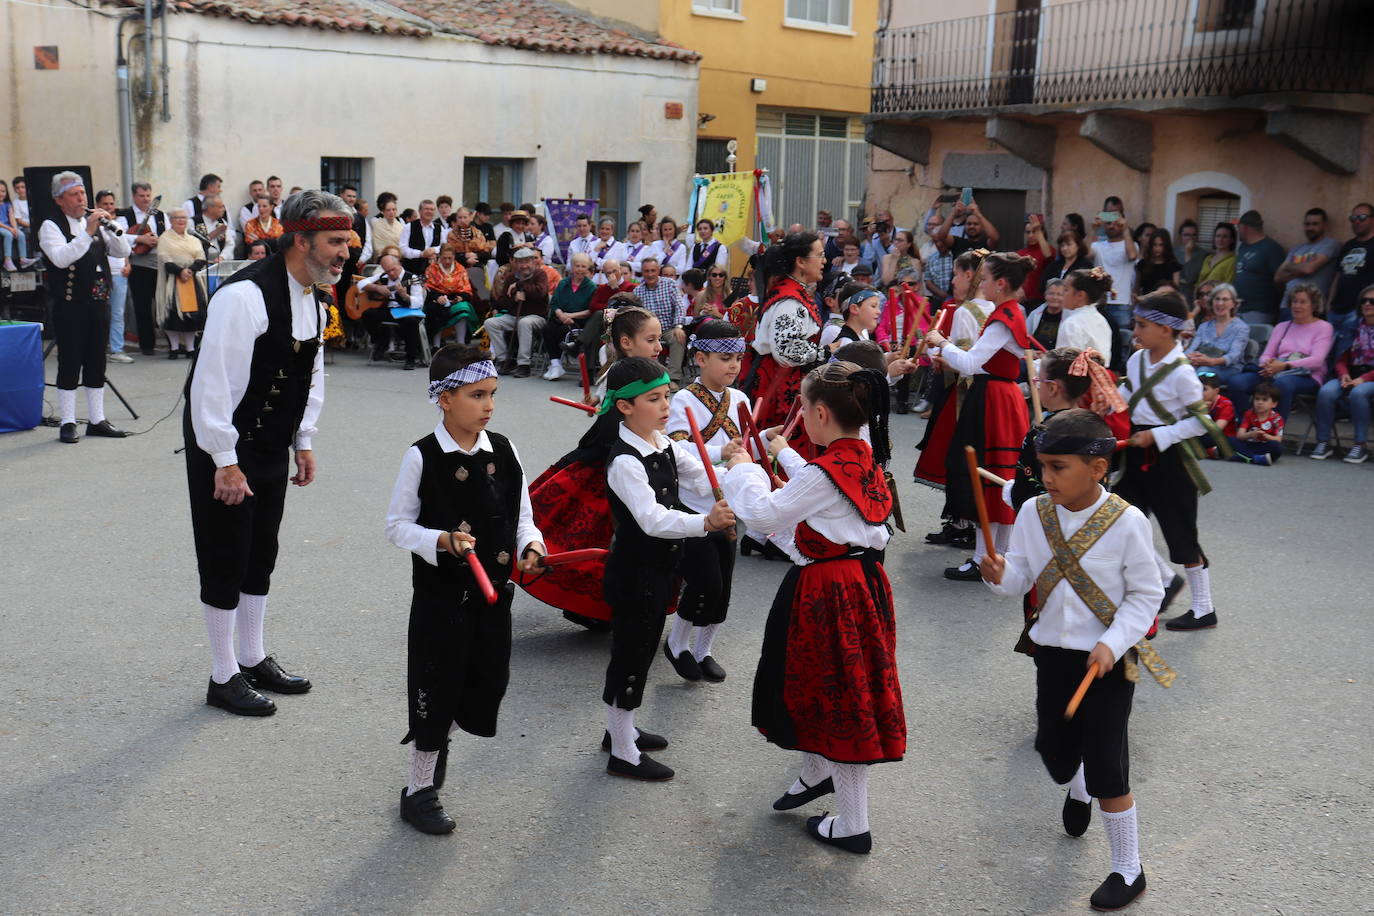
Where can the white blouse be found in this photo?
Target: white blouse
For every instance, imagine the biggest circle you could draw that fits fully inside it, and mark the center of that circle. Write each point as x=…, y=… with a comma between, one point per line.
x=1085, y=327
x=785, y=332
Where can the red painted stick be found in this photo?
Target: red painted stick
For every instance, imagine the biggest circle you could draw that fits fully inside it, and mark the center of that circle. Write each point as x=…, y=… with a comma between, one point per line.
x=748, y=428
x=792, y=420
x=478, y=573
x=716, y=491
x=566, y=403
x=572, y=556
x=586, y=378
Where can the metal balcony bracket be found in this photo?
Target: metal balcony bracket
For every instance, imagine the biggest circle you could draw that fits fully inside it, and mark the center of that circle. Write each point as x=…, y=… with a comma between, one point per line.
x=910, y=141
x=1032, y=142
x=1125, y=139
x=1330, y=140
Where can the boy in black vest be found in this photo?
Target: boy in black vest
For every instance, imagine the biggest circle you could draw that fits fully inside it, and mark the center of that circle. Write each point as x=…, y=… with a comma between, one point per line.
x=460, y=488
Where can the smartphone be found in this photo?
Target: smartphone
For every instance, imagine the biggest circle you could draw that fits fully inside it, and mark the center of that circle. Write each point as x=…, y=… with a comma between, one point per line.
x=1109, y=216
x=946, y=198
x=966, y=196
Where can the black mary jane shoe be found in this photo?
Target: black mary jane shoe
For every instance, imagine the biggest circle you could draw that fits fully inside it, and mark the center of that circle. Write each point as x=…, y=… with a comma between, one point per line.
x=68, y=434
x=967, y=572
x=268, y=675
x=767, y=549
x=107, y=429
x=1116, y=894
x=648, y=769
x=645, y=741
x=424, y=812
x=859, y=843
x=1186, y=621
x=787, y=801
x=236, y=696
x=1077, y=815
x=711, y=669
x=683, y=663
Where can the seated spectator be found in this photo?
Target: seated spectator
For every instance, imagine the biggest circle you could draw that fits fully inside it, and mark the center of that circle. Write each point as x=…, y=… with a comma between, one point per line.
x=691, y=283
x=1257, y=261
x=264, y=225
x=520, y=303
x=1043, y=322
x=11, y=234
x=20, y=189
x=1220, y=265
x=387, y=227
x=636, y=248
x=397, y=297
x=1039, y=250
x=1354, y=272
x=516, y=236
x=850, y=259
x=1201, y=309
x=1260, y=440
x=448, y=298
x=1295, y=359
x=1218, y=344
x=543, y=239
x=939, y=269
x=669, y=248
x=711, y=301
x=1073, y=255
x=1157, y=266
x=1314, y=261
x=569, y=308
x=1219, y=406
x=618, y=280
x=1191, y=255
x=661, y=298
x=258, y=249
x=903, y=258
x=1353, y=385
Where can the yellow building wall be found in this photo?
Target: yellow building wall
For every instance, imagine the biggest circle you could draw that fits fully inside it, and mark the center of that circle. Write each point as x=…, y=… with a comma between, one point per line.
x=805, y=68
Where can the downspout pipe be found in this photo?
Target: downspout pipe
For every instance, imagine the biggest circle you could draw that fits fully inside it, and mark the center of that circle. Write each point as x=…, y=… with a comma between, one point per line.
x=147, y=49
x=166, y=109
x=126, y=138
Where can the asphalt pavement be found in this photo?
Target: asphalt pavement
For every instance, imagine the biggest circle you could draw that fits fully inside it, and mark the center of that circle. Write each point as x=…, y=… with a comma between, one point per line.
x=122, y=792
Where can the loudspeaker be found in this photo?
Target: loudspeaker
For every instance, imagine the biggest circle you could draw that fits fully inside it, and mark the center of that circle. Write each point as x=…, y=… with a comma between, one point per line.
x=39, y=181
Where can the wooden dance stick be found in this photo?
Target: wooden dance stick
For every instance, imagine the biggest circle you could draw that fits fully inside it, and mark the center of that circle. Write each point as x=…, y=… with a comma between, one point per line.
x=716, y=492
x=1036, y=410
x=586, y=377
x=1078, y=694
x=988, y=543
x=566, y=403
x=475, y=564
x=911, y=339
x=572, y=556
x=991, y=477
x=747, y=428
x=793, y=419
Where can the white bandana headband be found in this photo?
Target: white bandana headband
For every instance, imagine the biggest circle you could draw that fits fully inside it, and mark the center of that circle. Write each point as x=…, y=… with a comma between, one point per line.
x=467, y=375
x=716, y=344
x=67, y=185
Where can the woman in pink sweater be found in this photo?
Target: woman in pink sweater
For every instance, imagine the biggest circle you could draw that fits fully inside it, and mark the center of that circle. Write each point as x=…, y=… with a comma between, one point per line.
x=1295, y=358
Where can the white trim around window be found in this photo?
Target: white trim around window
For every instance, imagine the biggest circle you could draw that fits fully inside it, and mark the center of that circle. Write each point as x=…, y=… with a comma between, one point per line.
x=821, y=15
x=719, y=9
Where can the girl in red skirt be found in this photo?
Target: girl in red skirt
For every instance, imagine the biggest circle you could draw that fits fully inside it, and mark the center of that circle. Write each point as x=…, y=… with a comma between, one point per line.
x=827, y=680
x=993, y=417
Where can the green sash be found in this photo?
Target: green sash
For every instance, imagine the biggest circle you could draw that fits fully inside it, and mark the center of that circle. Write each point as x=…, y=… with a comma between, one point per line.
x=1065, y=566
x=1191, y=451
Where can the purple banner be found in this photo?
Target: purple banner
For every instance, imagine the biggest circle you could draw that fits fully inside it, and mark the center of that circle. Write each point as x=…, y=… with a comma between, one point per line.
x=563, y=214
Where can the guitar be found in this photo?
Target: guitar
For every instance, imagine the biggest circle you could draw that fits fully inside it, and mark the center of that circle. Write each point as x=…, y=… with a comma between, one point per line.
x=379, y=292
x=142, y=228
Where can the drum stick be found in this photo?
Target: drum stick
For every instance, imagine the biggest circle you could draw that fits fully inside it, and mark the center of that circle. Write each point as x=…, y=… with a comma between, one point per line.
x=478, y=573
x=1036, y=411
x=566, y=403
x=1082, y=689
x=586, y=377
x=748, y=428
x=716, y=492
x=989, y=545
x=991, y=477
x=572, y=556
x=793, y=419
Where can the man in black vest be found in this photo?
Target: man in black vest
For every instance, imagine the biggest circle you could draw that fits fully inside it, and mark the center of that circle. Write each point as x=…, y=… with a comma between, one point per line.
x=78, y=248
x=145, y=224
x=195, y=206
x=420, y=244
x=262, y=338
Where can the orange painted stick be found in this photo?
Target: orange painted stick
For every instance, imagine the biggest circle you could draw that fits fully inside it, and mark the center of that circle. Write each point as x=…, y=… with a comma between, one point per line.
x=988, y=542
x=1082, y=689
x=566, y=403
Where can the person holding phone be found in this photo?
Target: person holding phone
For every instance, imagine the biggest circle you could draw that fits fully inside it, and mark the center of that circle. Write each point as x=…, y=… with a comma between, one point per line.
x=1039, y=250
x=1116, y=254
x=979, y=232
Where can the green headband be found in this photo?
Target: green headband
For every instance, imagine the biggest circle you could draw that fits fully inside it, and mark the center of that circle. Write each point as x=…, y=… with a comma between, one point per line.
x=631, y=391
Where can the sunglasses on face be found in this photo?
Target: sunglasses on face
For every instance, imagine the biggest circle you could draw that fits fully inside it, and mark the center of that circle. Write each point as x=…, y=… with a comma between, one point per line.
x=1359, y=217
x=1367, y=300
x=717, y=275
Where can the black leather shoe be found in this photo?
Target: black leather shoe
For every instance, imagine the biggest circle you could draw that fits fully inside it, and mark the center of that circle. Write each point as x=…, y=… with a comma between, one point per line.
x=903, y=407
x=645, y=741
x=171, y=354
x=68, y=434
x=1186, y=621
x=105, y=428
x=268, y=675
x=648, y=769
x=787, y=801
x=521, y=372
x=236, y=696
x=966, y=572
x=1077, y=815
x=965, y=541
x=378, y=354
x=861, y=843
x=441, y=767
x=684, y=664
x=423, y=812
x=711, y=669
x=1115, y=893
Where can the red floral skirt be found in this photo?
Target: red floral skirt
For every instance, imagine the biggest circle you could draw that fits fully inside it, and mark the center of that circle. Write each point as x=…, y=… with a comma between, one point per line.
x=572, y=512
x=827, y=679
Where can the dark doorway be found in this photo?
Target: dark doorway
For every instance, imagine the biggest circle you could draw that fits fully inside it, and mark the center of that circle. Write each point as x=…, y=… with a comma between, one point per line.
x=1025, y=48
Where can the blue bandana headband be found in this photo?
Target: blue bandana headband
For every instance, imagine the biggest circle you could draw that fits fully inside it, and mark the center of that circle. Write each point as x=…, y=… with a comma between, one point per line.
x=1047, y=444
x=861, y=295
x=716, y=344
x=467, y=375
x=1158, y=317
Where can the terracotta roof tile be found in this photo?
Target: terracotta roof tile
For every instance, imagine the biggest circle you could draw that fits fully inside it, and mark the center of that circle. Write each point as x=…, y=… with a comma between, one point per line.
x=534, y=25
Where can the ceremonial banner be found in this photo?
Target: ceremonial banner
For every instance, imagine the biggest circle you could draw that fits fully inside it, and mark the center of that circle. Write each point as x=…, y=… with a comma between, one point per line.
x=727, y=201
x=563, y=214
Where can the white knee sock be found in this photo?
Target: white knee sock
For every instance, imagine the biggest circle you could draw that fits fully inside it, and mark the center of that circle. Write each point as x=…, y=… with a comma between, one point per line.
x=980, y=547
x=680, y=636
x=1078, y=787
x=814, y=770
x=1166, y=572
x=851, y=794
x=621, y=724
x=95, y=404
x=422, y=765
x=1001, y=536
x=219, y=624
x=66, y=405
x=1125, y=842
x=706, y=636
x=1200, y=584
x=252, y=610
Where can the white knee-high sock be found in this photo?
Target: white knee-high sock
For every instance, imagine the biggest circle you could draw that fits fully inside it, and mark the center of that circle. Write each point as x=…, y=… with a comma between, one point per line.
x=219, y=625
x=621, y=725
x=1124, y=838
x=980, y=547
x=1001, y=536
x=95, y=404
x=66, y=405
x=814, y=770
x=252, y=610
x=1166, y=572
x=851, y=794
x=1200, y=584
x=706, y=637
x=422, y=765
x=1078, y=787
x=680, y=636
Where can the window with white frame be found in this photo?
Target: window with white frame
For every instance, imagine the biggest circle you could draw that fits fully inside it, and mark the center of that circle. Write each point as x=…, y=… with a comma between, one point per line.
x=716, y=6
x=833, y=13
x=815, y=161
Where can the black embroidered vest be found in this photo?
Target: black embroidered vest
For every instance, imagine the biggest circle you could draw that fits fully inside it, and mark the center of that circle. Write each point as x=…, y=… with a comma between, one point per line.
x=630, y=544
x=86, y=279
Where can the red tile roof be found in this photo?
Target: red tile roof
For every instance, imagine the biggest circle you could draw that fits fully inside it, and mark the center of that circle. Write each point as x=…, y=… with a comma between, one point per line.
x=534, y=25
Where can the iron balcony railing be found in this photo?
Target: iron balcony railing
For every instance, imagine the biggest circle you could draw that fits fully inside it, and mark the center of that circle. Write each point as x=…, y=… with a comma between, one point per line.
x=1065, y=54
